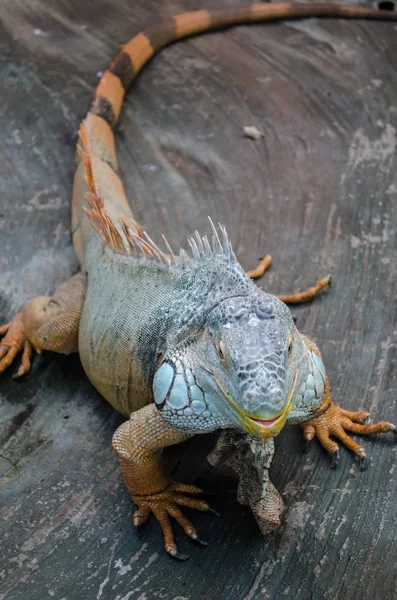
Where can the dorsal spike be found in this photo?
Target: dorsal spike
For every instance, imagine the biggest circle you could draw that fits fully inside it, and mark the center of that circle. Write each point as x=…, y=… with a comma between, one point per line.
x=232, y=255
x=154, y=247
x=195, y=250
x=199, y=243
x=216, y=241
x=150, y=249
x=138, y=230
x=143, y=246
x=172, y=255
x=135, y=246
x=207, y=247
x=183, y=259
x=127, y=234
x=225, y=240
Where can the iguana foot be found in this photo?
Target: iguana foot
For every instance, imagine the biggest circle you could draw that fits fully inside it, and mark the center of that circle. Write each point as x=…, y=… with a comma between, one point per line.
x=164, y=505
x=335, y=421
x=13, y=342
x=45, y=323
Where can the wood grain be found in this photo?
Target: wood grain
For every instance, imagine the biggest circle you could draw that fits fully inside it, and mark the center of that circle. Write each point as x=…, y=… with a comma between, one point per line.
x=318, y=192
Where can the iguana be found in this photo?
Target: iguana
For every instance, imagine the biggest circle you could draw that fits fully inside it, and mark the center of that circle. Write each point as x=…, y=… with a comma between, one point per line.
x=181, y=345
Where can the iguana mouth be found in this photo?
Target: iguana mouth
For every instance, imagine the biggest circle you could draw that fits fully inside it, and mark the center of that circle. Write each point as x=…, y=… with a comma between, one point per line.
x=267, y=422
x=264, y=428
x=277, y=422
x=270, y=422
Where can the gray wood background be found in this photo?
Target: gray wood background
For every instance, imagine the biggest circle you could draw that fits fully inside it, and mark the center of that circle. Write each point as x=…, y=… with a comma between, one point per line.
x=318, y=192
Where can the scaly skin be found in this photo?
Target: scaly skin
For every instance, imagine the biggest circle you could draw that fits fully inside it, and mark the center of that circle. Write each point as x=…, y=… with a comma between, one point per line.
x=187, y=345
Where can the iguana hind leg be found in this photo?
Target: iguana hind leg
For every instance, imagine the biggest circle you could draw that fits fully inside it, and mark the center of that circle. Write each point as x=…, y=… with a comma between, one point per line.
x=138, y=443
x=45, y=323
x=261, y=268
x=296, y=297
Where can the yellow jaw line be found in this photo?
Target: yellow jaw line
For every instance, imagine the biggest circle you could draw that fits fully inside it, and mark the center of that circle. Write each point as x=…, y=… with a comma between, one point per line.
x=254, y=427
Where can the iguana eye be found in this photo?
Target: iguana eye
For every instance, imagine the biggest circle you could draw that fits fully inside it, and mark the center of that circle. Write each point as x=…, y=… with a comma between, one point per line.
x=221, y=350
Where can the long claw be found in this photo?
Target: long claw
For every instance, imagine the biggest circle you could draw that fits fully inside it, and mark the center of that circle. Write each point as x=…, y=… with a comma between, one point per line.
x=335, y=459
x=179, y=556
x=17, y=376
x=201, y=542
x=215, y=512
x=140, y=516
x=196, y=539
x=363, y=463
x=306, y=446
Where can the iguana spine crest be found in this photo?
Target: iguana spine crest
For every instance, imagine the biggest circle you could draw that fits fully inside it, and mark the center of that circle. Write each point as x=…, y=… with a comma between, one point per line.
x=139, y=243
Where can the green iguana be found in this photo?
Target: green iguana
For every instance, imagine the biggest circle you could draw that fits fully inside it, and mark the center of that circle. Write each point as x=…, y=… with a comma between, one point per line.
x=181, y=345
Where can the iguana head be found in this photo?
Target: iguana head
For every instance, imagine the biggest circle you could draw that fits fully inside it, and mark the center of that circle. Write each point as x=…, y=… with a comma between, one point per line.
x=239, y=370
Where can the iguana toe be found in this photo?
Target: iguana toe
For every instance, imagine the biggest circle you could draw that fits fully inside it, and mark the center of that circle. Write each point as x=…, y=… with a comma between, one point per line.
x=13, y=342
x=166, y=505
x=335, y=422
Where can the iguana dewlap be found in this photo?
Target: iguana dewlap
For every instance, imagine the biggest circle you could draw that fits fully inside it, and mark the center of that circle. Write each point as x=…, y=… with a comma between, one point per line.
x=182, y=344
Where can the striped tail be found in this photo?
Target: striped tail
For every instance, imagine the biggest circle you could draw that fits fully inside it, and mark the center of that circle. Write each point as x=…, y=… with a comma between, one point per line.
x=109, y=94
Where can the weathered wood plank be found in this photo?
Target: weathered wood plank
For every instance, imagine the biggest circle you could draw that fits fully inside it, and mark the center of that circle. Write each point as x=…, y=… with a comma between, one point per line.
x=318, y=192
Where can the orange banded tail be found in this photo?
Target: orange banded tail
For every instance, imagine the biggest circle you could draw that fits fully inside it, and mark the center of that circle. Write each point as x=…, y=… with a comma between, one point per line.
x=109, y=94
x=139, y=50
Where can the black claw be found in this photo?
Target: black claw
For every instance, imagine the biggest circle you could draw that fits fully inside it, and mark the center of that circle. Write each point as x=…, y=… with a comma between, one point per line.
x=181, y=557
x=363, y=463
x=335, y=459
x=201, y=542
x=213, y=511
x=306, y=446
x=330, y=281
x=18, y=376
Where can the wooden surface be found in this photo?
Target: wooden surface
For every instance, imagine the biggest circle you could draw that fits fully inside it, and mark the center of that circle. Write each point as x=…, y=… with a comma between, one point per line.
x=318, y=192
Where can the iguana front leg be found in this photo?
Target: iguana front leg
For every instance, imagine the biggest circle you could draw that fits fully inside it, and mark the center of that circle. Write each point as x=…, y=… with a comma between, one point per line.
x=138, y=443
x=45, y=323
x=333, y=421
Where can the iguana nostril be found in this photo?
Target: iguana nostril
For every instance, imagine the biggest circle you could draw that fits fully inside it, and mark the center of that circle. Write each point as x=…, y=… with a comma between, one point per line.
x=277, y=397
x=250, y=397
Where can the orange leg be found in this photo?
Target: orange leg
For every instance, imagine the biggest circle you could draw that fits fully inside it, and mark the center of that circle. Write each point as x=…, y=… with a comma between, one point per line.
x=308, y=294
x=295, y=298
x=137, y=442
x=263, y=265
